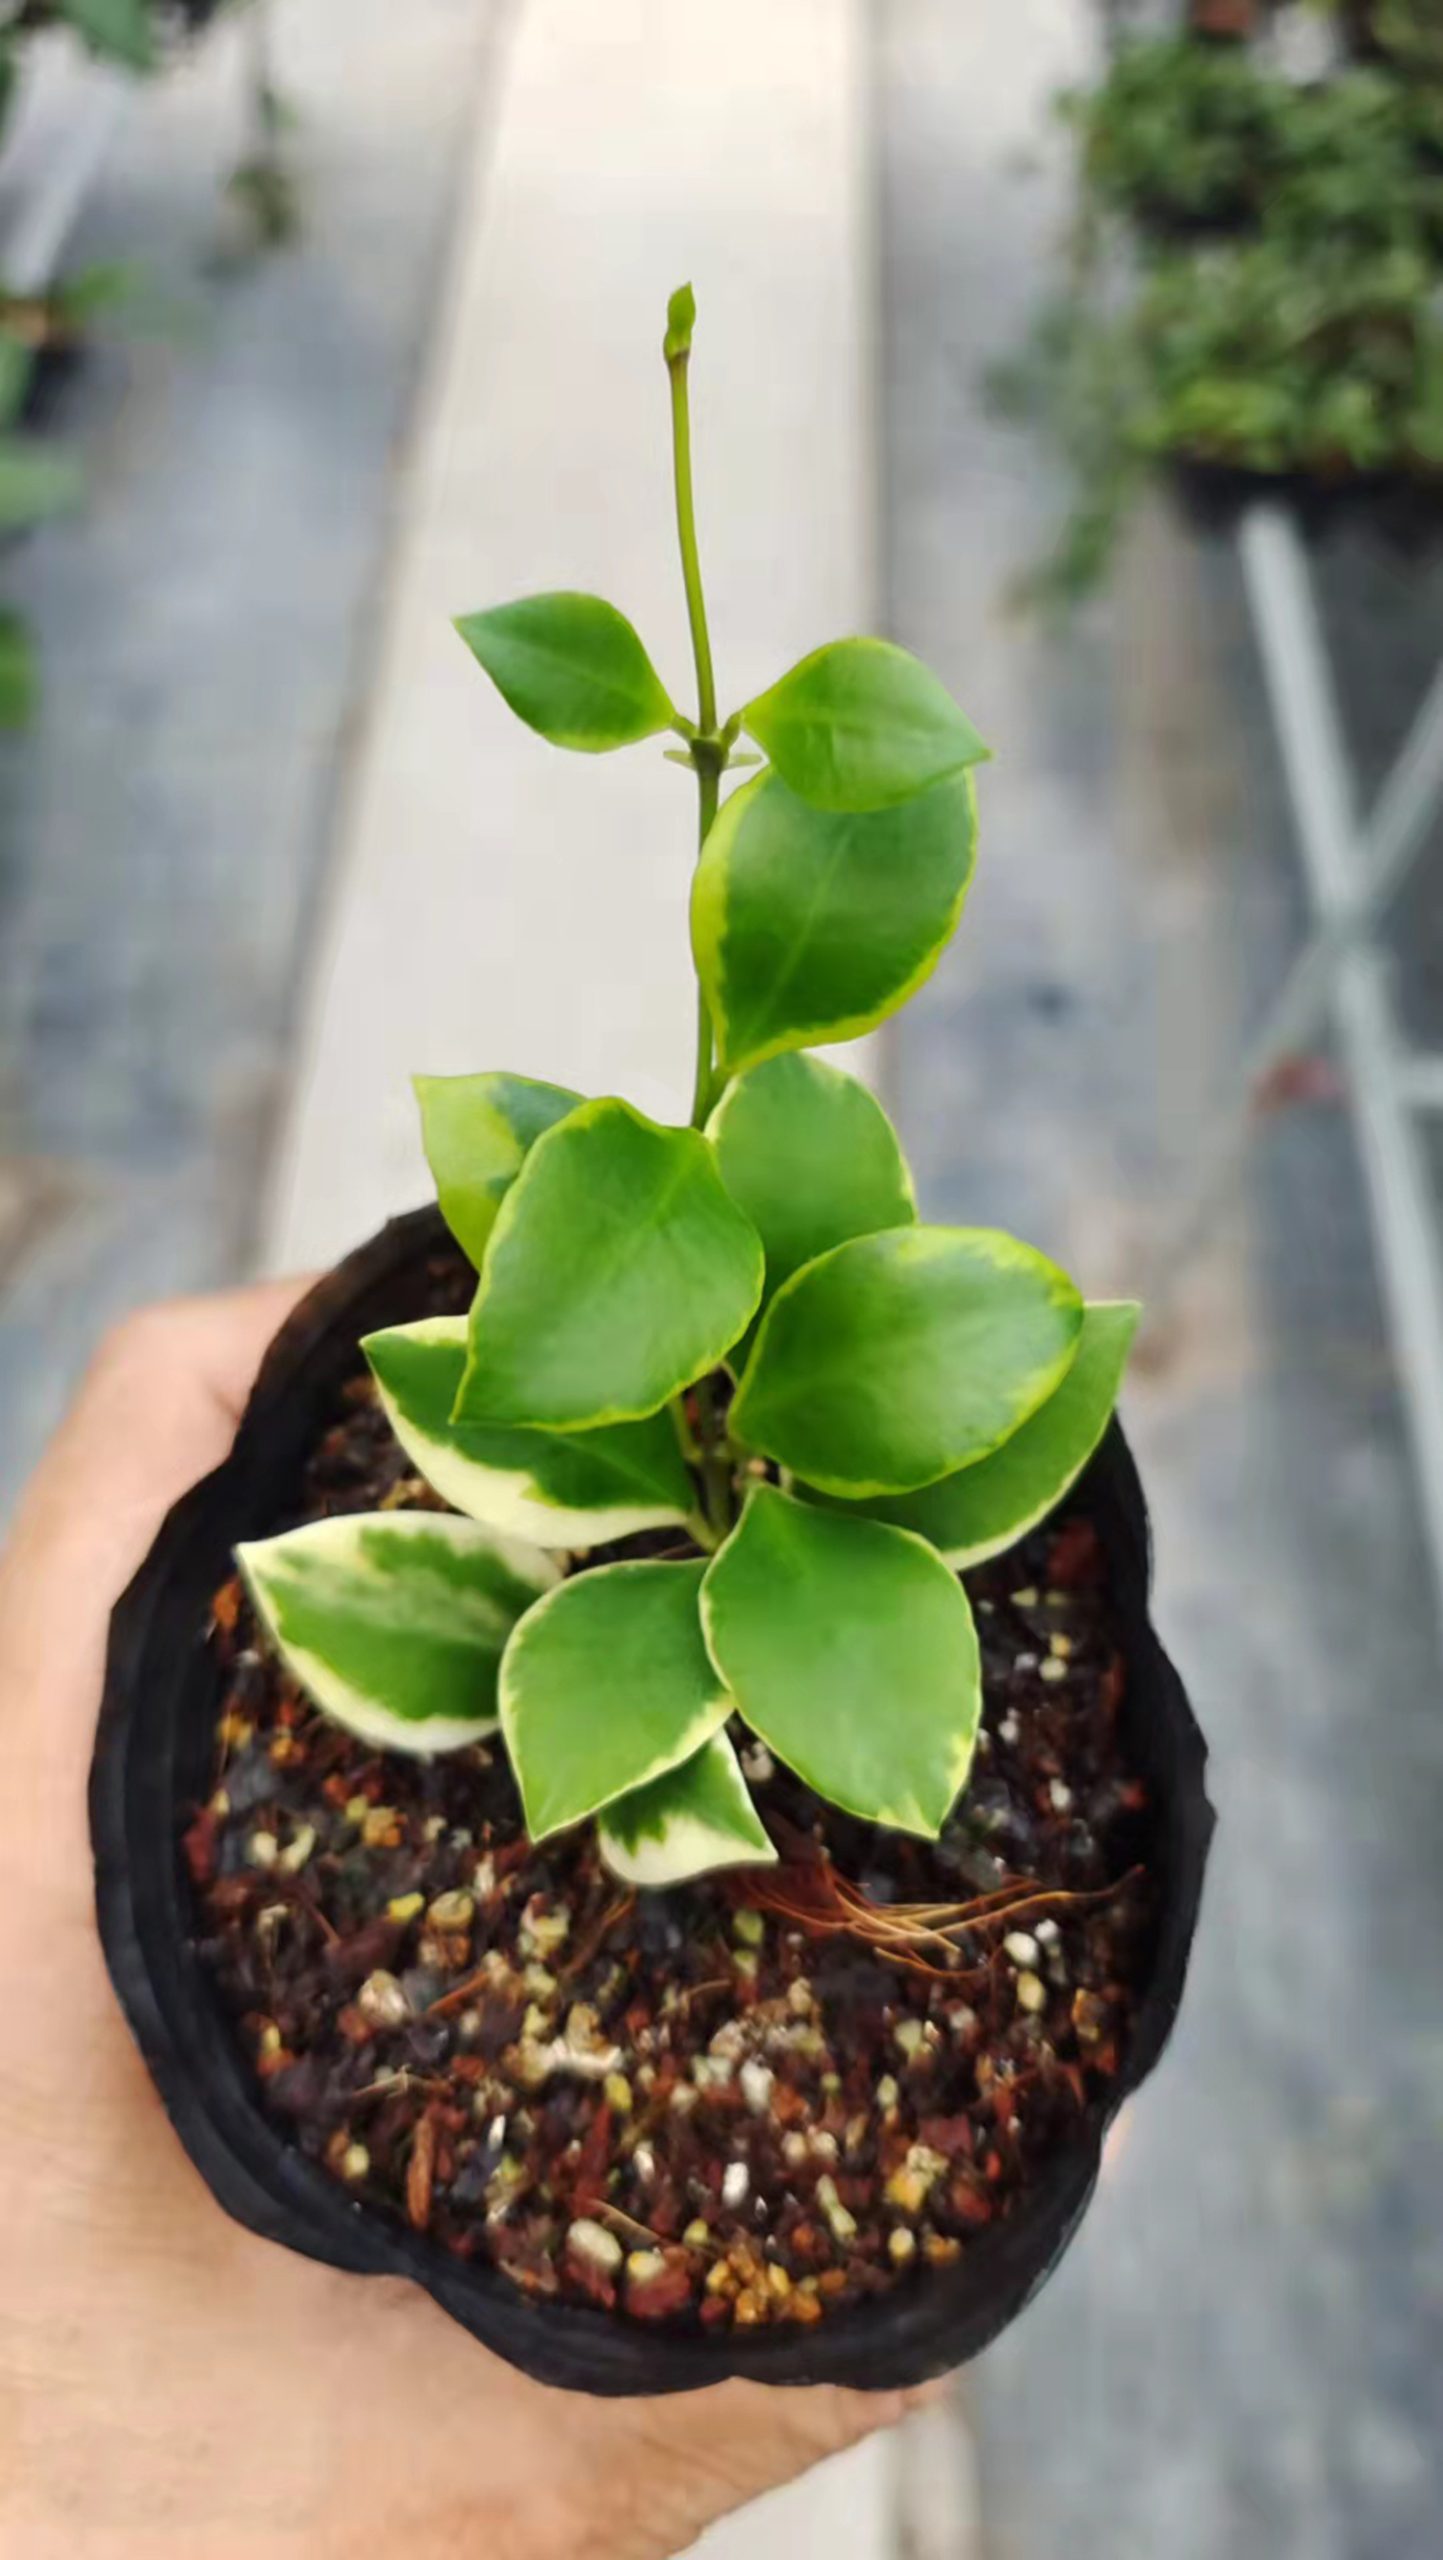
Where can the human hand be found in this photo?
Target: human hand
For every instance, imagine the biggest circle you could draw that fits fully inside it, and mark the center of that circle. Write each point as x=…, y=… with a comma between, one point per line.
x=168, y=2381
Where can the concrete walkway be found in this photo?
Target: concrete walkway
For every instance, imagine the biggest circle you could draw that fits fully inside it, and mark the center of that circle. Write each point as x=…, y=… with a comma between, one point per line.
x=1242, y=2355
x=205, y=631
x=494, y=903
x=275, y=845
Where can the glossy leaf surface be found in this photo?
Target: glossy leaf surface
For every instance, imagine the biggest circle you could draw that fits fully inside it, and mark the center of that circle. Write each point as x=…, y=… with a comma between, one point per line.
x=562, y=1489
x=808, y=926
x=860, y=725
x=695, y=1819
x=619, y=1269
x=572, y=668
x=975, y=1514
x=849, y=1647
x=605, y=1686
x=477, y=1131
x=812, y=1158
x=898, y=1357
x=395, y=1622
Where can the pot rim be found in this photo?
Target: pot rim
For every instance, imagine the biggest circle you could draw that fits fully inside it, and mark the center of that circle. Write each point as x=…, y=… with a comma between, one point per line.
x=154, y=1672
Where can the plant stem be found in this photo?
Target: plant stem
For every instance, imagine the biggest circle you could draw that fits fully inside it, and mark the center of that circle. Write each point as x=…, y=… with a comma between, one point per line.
x=676, y=366
x=707, y=780
x=708, y=751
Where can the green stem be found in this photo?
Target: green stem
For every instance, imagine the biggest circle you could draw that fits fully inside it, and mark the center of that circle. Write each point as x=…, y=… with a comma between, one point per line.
x=708, y=781
x=708, y=749
x=676, y=366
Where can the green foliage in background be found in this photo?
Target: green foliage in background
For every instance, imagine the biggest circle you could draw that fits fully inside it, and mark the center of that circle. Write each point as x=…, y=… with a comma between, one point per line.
x=1256, y=279
x=737, y=1336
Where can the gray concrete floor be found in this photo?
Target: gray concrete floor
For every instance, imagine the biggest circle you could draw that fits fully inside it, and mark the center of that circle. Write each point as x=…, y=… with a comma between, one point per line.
x=1242, y=2355
x=204, y=627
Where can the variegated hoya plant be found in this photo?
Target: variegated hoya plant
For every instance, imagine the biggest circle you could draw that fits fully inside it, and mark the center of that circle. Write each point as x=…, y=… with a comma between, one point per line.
x=738, y=1332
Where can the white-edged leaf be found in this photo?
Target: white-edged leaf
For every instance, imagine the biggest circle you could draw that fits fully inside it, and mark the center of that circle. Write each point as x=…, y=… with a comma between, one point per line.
x=619, y=1269
x=695, y=1819
x=984, y=1509
x=850, y=1648
x=605, y=1684
x=813, y=1159
x=897, y=1358
x=560, y=1488
x=809, y=926
x=395, y=1622
x=861, y=724
x=477, y=1131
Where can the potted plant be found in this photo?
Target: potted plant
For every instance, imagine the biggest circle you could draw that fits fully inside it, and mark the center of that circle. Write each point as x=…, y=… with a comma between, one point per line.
x=644, y=1794
x=1252, y=301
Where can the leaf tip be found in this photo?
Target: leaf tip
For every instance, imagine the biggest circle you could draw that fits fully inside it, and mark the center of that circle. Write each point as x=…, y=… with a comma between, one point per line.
x=680, y=322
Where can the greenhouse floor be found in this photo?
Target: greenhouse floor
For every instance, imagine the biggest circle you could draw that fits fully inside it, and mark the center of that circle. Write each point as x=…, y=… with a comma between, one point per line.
x=270, y=847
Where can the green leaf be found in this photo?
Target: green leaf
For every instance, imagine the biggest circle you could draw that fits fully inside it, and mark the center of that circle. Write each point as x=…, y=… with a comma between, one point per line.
x=18, y=682
x=849, y=1647
x=696, y=1818
x=619, y=1269
x=812, y=1158
x=897, y=1357
x=120, y=29
x=34, y=484
x=571, y=667
x=476, y=1131
x=862, y=724
x=395, y=1621
x=989, y=1506
x=807, y=926
x=562, y=1489
x=606, y=1684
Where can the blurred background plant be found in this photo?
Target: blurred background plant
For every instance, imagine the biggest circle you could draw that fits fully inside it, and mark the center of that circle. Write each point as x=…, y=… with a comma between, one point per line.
x=42, y=321
x=1253, y=281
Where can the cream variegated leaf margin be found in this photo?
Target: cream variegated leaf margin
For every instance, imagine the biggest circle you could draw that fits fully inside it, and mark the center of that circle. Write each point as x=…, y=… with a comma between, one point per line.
x=690, y=1822
x=812, y=1158
x=897, y=1358
x=809, y=925
x=849, y=1648
x=619, y=1269
x=563, y=1489
x=395, y=1622
x=983, y=1509
x=477, y=1132
x=606, y=1685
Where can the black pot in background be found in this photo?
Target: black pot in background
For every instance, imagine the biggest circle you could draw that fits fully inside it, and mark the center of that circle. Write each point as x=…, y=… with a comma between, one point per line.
x=153, y=1764
x=1402, y=513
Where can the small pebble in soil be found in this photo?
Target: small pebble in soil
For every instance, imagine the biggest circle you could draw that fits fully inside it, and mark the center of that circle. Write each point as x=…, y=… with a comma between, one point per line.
x=686, y=2107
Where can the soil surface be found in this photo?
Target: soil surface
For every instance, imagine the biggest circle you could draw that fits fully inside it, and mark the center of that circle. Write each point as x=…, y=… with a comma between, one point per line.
x=748, y=2100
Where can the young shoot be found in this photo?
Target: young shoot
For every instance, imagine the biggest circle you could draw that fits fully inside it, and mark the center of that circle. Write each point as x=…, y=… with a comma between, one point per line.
x=739, y=1332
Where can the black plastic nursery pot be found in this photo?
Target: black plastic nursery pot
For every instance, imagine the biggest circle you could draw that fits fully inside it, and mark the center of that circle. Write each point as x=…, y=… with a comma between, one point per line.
x=1400, y=511
x=152, y=1765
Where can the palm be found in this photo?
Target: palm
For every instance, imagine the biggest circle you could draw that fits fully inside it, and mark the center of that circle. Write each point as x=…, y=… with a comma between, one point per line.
x=160, y=2369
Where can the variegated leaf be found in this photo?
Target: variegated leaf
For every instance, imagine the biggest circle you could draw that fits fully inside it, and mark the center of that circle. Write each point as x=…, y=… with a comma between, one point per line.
x=606, y=1684
x=395, y=1621
x=693, y=1820
x=562, y=1488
